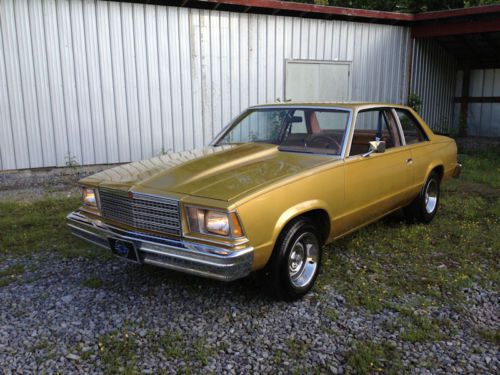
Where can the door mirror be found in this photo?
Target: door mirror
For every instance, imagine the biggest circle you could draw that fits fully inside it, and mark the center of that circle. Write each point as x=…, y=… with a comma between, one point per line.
x=296, y=119
x=375, y=147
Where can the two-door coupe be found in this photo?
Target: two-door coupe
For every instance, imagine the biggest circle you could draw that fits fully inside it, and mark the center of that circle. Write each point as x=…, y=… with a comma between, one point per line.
x=275, y=185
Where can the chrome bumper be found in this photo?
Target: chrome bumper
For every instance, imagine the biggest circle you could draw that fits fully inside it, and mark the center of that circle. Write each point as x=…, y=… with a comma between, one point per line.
x=198, y=259
x=458, y=170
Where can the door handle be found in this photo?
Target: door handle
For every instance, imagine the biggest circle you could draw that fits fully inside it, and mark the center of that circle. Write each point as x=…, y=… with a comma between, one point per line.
x=409, y=161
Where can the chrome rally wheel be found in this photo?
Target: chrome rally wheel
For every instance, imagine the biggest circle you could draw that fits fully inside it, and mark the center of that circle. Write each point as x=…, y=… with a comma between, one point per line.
x=303, y=260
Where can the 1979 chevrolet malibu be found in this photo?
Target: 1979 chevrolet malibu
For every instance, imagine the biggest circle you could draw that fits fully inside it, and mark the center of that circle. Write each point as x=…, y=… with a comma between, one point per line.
x=275, y=185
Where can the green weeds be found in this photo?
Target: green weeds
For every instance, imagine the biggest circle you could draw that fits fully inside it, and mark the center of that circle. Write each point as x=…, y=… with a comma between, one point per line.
x=10, y=274
x=370, y=358
x=30, y=227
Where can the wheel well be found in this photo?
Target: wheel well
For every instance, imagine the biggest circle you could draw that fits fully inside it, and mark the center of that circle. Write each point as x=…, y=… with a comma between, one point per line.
x=440, y=171
x=321, y=220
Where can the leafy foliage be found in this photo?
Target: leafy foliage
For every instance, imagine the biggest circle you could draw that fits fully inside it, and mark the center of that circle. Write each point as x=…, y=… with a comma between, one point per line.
x=412, y=6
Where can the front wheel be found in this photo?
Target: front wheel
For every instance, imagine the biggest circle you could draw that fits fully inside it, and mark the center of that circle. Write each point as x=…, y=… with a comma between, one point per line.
x=424, y=207
x=296, y=260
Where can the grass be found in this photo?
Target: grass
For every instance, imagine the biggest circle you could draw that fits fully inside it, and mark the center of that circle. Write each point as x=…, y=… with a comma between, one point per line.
x=429, y=264
x=93, y=282
x=370, y=358
x=10, y=274
x=117, y=351
x=391, y=258
x=30, y=227
x=491, y=335
x=482, y=167
x=297, y=349
x=410, y=269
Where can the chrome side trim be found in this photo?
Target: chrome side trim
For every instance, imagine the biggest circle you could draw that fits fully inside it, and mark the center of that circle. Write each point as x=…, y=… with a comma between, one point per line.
x=190, y=257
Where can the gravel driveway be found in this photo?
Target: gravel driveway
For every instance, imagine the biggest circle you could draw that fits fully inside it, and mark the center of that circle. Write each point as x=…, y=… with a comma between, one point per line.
x=99, y=314
x=105, y=315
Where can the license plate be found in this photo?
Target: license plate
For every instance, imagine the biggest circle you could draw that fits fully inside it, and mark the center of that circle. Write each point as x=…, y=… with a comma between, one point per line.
x=124, y=249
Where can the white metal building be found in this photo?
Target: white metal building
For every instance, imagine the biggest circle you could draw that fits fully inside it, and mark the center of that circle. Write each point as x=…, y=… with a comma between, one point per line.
x=95, y=82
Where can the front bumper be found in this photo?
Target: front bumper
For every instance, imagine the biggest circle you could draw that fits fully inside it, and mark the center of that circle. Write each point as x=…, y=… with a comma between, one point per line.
x=198, y=259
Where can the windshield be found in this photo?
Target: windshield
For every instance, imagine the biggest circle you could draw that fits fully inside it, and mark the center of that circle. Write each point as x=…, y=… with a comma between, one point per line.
x=313, y=130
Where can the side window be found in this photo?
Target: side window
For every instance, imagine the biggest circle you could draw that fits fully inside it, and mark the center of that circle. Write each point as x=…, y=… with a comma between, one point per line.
x=411, y=128
x=372, y=125
x=299, y=127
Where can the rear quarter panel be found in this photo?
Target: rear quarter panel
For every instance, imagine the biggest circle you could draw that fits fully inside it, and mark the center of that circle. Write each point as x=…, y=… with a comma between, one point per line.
x=438, y=151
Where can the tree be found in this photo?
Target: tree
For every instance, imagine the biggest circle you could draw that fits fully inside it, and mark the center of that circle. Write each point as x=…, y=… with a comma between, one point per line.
x=411, y=6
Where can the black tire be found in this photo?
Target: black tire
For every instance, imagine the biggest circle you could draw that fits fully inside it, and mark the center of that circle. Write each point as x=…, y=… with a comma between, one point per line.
x=425, y=206
x=291, y=279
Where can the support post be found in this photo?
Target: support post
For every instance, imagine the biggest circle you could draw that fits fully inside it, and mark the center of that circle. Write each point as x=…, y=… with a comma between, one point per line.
x=464, y=103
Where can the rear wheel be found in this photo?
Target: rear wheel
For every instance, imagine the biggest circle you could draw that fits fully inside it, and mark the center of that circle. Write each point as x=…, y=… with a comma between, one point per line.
x=424, y=207
x=296, y=260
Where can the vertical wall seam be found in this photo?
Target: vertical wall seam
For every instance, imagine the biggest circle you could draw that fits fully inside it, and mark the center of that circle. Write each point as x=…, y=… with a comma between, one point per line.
x=170, y=82
x=22, y=88
x=118, y=149
x=78, y=114
x=139, y=112
x=9, y=108
x=149, y=80
x=58, y=27
x=177, y=12
x=192, y=68
x=36, y=91
x=92, y=125
x=106, y=130
x=202, y=80
x=125, y=85
x=160, y=91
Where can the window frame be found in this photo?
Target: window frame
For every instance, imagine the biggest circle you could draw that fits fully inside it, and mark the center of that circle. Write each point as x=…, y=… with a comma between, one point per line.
x=415, y=120
x=347, y=132
x=396, y=120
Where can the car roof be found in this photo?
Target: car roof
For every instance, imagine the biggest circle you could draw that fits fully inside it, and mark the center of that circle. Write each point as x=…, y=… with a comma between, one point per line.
x=346, y=105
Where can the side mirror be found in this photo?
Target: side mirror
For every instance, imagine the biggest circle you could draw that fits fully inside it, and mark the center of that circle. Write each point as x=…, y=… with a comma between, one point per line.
x=375, y=147
x=296, y=119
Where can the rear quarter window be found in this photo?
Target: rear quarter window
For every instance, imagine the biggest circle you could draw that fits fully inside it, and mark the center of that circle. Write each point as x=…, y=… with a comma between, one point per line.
x=412, y=130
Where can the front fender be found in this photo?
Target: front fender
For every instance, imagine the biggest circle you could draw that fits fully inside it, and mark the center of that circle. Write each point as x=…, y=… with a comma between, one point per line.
x=297, y=210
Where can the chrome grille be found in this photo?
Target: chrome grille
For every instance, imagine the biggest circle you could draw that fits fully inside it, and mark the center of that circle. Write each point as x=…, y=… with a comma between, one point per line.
x=141, y=211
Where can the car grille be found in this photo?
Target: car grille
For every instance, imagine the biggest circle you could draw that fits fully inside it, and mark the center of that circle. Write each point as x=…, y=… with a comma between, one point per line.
x=141, y=211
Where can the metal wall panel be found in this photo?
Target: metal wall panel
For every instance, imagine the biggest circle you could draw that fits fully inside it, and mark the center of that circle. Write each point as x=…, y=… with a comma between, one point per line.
x=483, y=119
x=104, y=82
x=434, y=73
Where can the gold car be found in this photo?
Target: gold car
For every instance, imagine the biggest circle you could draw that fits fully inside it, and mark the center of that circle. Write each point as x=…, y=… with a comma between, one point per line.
x=274, y=186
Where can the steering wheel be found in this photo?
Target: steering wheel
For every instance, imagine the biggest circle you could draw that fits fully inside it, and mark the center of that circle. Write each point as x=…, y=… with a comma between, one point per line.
x=325, y=141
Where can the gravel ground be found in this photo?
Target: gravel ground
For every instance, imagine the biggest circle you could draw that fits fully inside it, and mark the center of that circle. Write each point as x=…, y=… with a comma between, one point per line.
x=101, y=314
x=79, y=315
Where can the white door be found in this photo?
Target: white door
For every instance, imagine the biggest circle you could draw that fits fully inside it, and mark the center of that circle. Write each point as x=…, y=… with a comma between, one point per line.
x=323, y=81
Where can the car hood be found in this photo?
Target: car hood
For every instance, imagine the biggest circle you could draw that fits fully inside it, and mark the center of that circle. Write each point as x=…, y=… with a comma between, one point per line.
x=223, y=172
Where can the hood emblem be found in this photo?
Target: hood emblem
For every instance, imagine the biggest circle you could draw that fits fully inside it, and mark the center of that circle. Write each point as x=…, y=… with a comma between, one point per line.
x=130, y=195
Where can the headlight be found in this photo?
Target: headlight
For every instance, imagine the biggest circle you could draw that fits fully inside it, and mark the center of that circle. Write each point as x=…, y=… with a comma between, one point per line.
x=214, y=222
x=89, y=197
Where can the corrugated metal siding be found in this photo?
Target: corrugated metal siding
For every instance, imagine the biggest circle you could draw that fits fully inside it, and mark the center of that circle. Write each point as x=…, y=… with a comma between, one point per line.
x=433, y=79
x=483, y=119
x=106, y=82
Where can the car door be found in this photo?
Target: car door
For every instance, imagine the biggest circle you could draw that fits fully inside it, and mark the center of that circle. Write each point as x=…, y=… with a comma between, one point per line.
x=417, y=142
x=378, y=183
